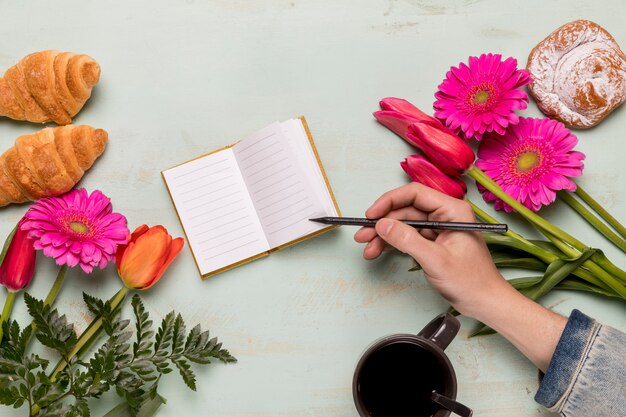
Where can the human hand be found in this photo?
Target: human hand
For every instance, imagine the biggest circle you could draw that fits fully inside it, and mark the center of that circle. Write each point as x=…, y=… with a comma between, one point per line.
x=459, y=266
x=456, y=263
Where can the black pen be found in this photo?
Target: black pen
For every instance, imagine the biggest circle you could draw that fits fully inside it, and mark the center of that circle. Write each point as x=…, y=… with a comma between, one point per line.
x=418, y=224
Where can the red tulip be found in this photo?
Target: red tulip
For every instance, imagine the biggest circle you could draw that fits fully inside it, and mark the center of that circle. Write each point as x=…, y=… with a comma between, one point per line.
x=404, y=107
x=142, y=262
x=18, y=265
x=398, y=114
x=422, y=171
x=445, y=149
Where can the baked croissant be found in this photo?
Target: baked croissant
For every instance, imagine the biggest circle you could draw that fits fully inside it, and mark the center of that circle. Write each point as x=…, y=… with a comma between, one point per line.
x=48, y=86
x=49, y=162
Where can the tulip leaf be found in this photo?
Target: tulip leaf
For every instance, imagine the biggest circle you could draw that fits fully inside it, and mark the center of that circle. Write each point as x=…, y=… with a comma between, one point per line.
x=498, y=239
x=509, y=259
x=580, y=285
x=557, y=271
x=7, y=243
x=549, y=246
x=525, y=282
x=417, y=267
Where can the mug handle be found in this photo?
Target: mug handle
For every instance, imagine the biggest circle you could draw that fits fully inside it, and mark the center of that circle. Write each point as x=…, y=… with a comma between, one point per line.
x=441, y=330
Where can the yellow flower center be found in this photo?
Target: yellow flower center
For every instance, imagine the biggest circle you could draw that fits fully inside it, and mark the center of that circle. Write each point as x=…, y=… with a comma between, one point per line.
x=528, y=160
x=481, y=96
x=79, y=227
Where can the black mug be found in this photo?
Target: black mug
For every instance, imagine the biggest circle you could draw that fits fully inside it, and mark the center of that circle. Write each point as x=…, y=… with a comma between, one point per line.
x=397, y=374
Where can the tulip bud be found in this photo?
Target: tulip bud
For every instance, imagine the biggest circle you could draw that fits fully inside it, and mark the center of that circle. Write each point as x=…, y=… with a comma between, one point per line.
x=18, y=265
x=142, y=262
x=404, y=107
x=398, y=114
x=444, y=149
x=421, y=170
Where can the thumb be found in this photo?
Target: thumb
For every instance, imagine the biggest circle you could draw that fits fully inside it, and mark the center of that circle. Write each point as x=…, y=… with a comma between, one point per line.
x=405, y=238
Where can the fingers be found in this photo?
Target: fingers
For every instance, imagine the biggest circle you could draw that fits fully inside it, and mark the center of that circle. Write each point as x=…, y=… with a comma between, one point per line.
x=424, y=199
x=365, y=234
x=374, y=248
x=406, y=239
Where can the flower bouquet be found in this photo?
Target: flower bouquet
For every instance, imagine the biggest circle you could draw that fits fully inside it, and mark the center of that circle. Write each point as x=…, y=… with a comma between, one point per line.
x=78, y=229
x=522, y=164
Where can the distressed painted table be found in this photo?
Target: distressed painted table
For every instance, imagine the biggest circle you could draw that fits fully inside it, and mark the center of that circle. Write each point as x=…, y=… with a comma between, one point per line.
x=183, y=77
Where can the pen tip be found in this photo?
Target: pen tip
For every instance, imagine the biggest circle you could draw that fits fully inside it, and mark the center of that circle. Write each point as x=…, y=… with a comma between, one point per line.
x=318, y=219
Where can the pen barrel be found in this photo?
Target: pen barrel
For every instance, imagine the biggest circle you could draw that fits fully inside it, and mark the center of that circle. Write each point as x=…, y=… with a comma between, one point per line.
x=467, y=227
x=418, y=224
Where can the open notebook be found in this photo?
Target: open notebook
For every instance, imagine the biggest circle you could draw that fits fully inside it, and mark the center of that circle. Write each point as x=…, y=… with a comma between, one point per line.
x=251, y=198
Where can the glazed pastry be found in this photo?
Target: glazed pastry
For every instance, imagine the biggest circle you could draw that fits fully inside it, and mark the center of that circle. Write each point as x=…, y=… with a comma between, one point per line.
x=49, y=162
x=579, y=74
x=48, y=86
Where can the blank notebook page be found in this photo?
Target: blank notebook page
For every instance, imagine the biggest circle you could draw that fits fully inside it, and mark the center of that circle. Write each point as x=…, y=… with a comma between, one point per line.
x=216, y=211
x=282, y=181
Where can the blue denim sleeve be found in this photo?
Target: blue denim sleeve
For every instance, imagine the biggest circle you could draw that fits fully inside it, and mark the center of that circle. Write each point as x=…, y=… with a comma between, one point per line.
x=587, y=373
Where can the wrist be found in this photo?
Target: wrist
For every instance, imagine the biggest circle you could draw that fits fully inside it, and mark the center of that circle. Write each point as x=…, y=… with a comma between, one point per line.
x=531, y=328
x=494, y=297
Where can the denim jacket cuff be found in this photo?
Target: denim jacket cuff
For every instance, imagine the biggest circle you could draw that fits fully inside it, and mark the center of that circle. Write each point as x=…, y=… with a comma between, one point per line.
x=567, y=360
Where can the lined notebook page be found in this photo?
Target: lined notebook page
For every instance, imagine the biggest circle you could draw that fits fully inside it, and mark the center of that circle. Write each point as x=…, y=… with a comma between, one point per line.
x=216, y=211
x=278, y=185
x=302, y=147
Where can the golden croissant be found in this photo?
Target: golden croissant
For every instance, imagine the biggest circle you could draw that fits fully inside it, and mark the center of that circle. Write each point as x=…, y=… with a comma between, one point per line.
x=49, y=162
x=48, y=86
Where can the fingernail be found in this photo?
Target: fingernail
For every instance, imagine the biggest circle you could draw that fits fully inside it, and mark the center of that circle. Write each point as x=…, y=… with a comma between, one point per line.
x=385, y=227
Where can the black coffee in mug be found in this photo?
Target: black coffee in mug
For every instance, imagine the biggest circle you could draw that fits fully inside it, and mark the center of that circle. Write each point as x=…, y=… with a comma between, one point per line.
x=397, y=374
x=397, y=380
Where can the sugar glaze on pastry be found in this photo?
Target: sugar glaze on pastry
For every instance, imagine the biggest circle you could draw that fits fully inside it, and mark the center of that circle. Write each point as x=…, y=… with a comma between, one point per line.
x=579, y=74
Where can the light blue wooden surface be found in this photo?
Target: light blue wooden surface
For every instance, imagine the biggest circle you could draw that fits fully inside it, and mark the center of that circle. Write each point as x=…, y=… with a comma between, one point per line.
x=180, y=78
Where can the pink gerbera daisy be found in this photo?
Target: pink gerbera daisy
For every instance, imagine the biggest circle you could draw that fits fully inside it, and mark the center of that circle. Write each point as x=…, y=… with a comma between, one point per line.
x=76, y=229
x=530, y=162
x=483, y=96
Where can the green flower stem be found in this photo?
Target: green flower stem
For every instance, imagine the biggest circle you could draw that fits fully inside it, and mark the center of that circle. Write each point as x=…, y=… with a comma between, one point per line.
x=543, y=254
x=6, y=311
x=529, y=247
x=580, y=192
x=56, y=287
x=52, y=295
x=593, y=220
x=95, y=334
x=88, y=334
x=543, y=225
x=604, y=263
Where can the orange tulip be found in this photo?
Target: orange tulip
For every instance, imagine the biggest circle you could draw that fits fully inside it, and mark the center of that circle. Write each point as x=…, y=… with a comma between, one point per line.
x=149, y=251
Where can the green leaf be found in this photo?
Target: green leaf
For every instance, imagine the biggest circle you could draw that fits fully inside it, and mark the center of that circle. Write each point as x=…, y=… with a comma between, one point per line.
x=417, y=267
x=178, y=336
x=143, y=328
x=481, y=330
x=580, y=285
x=556, y=272
x=7, y=243
x=53, y=330
x=147, y=409
x=186, y=373
x=96, y=306
x=512, y=259
x=549, y=246
x=525, y=282
x=164, y=334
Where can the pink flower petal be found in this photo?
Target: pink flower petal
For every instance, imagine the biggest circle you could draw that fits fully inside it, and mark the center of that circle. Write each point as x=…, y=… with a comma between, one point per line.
x=76, y=228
